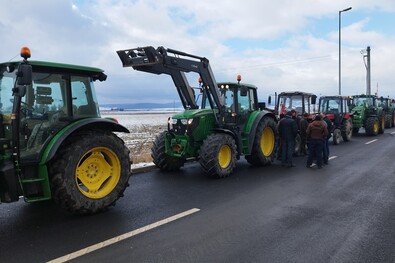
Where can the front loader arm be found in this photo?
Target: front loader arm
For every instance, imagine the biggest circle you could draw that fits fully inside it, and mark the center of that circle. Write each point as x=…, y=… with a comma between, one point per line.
x=157, y=61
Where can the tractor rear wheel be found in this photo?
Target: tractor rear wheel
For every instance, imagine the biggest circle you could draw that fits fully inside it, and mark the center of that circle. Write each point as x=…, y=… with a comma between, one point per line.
x=347, y=130
x=336, y=136
x=372, y=126
x=90, y=172
x=163, y=161
x=264, y=144
x=388, y=120
x=218, y=155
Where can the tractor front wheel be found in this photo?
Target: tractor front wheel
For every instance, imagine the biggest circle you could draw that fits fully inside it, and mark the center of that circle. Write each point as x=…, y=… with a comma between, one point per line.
x=218, y=155
x=347, y=130
x=163, y=161
x=264, y=144
x=388, y=120
x=381, y=124
x=372, y=126
x=90, y=172
x=336, y=136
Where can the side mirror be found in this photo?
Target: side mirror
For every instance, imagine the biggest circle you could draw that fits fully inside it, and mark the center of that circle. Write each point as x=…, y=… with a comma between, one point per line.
x=243, y=91
x=313, y=99
x=24, y=78
x=269, y=100
x=24, y=75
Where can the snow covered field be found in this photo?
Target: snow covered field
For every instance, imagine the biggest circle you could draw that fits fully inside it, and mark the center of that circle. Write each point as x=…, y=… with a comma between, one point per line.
x=143, y=127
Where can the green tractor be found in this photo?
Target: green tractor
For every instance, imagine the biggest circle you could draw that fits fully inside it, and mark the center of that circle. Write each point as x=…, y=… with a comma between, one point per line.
x=389, y=111
x=368, y=114
x=54, y=145
x=226, y=124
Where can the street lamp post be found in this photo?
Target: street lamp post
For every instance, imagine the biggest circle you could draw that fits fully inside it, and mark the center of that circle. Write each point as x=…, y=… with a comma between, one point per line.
x=340, y=65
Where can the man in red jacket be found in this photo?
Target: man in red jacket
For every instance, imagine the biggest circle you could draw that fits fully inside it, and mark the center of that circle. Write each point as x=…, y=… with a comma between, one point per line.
x=316, y=134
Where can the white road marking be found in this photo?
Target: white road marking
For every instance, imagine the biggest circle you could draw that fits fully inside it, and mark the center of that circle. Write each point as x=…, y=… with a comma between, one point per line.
x=392, y=132
x=330, y=158
x=371, y=141
x=119, y=238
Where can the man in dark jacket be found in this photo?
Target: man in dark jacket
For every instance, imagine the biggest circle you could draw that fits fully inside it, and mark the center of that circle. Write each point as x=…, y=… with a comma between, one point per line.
x=288, y=130
x=303, y=124
x=316, y=133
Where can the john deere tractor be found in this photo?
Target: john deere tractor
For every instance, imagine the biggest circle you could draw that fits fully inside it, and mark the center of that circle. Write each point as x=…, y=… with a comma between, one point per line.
x=54, y=145
x=337, y=110
x=227, y=124
x=389, y=111
x=368, y=114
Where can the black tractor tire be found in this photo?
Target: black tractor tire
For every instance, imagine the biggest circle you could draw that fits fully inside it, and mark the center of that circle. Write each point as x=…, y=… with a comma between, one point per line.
x=372, y=126
x=90, y=172
x=388, y=120
x=163, y=161
x=264, y=146
x=218, y=155
x=336, y=136
x=381, y=123
x=347, y=130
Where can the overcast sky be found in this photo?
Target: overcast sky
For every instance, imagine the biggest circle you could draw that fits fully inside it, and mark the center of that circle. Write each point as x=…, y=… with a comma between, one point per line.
x=277, y=45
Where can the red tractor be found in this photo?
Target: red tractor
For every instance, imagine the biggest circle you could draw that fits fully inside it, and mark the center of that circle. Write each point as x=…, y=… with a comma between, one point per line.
x=337, y=110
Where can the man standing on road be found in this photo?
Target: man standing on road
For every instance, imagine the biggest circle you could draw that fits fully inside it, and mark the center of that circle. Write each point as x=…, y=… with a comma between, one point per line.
x=317, y=133
x=303, y=123
x=288, y=130
x=329, y=126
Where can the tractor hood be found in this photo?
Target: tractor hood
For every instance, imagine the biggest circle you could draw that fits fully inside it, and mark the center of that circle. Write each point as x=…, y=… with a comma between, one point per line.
x=190, y=114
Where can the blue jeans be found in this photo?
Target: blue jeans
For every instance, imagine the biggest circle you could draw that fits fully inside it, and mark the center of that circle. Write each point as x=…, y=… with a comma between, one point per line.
x=315, y=152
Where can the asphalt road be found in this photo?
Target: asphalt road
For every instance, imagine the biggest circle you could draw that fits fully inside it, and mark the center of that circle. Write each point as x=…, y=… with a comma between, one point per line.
x=344, y=212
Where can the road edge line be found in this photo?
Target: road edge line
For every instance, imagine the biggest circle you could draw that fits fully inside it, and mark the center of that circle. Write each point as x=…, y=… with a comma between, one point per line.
x=119, y=238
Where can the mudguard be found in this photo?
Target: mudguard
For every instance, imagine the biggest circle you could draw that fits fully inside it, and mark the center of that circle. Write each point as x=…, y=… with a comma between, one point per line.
x=89, y=123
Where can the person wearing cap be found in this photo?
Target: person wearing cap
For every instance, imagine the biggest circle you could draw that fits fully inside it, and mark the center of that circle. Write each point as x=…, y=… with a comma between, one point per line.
x=288, y=129
x=316, y=133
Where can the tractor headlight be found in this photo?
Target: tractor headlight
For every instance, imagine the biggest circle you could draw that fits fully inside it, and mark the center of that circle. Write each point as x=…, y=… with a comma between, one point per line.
x=190, y=121
x=174, y=121
x=184, y=121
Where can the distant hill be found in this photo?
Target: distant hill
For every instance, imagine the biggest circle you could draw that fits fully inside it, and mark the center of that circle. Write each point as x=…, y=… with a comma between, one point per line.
x=141, y=106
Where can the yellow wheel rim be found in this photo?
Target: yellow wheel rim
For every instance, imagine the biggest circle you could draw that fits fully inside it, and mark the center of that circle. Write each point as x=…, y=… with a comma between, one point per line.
x=98, y=172
x=267, y=141
x=376, y=127
x=224, y=156
x=383, y=123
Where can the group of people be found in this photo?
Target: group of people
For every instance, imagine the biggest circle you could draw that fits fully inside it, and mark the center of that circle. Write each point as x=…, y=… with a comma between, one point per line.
x=314, y=135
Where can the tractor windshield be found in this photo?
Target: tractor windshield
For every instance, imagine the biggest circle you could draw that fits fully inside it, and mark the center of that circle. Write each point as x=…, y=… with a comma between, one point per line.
x=330, y=105
x=7, y=81
x=363, y=101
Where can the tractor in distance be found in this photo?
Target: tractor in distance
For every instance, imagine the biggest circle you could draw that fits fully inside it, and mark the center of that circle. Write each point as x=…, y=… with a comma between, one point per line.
x=301, y=102
x=367, y=114
x=389, y=111
x=337, y=110
x=54, y=145
x=227, y=124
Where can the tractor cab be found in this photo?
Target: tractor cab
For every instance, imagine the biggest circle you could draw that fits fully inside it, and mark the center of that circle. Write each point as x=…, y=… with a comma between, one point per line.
x=337, y=110
x=301, y=102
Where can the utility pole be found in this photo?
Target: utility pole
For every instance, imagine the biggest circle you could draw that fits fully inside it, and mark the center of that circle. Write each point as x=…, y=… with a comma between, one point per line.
x=367, y=66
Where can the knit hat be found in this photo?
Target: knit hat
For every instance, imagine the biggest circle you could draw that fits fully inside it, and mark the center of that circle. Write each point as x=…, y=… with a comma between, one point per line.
x=289, y=113
x=317, y=117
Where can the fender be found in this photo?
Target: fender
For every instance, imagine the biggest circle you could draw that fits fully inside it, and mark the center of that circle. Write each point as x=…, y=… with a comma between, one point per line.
x=89, y=124
x=251, y=129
